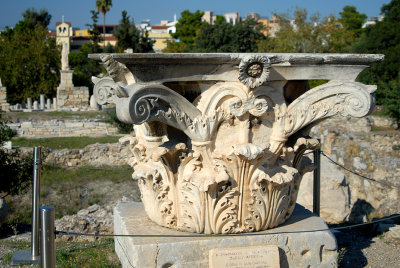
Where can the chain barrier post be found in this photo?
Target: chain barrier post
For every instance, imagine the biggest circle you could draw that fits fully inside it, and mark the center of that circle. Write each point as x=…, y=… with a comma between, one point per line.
x=20, y=257
x=317, y=180
x=35, y=202
x=47, y=237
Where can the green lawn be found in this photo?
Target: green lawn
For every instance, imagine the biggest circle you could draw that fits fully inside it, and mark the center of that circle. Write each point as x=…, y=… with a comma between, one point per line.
x=64, y=142
x=99, y=253
x=55, y=115
x=62, y=187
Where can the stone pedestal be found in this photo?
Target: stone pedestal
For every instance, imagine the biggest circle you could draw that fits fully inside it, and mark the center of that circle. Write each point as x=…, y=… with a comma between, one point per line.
x=29, y=102
x=42, y=102
x=296, y=247
x=68, y=95
x=3, y=99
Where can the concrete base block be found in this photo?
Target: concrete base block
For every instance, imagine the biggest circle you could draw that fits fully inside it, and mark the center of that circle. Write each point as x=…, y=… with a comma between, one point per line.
x=299, y=245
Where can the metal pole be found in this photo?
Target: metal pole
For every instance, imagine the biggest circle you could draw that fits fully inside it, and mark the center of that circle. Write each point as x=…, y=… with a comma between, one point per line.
x=47, y=237
x=316, y=185
x=35, y=203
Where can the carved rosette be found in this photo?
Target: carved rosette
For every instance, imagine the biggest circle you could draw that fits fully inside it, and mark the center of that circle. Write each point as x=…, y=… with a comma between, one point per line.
x=254, y=70
x=229, y=161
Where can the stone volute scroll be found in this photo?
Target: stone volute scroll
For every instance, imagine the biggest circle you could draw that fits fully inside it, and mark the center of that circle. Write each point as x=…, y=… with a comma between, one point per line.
x=218, y=145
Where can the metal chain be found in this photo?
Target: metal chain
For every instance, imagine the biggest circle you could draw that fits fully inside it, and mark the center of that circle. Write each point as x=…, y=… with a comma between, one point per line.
x=360, y=175
x=227, y=235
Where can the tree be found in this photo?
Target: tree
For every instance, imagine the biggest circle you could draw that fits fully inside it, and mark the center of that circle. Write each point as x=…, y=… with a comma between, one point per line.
x=15, y=170
x=104, y=6
x=384, y=38
x=128, y=36
x=126, y=33
x=95, y=35
x=224, y=37
x=37, y=18
x=84, y=68
x=390, y=98
x=29, y=62
x=306, y=34
x=187, y=29
x=145, y=43
x=351, y=19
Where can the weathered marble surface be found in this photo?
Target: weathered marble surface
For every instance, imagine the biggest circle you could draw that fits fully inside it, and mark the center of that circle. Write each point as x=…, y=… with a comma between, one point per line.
x=296, y=248
x=219, y=137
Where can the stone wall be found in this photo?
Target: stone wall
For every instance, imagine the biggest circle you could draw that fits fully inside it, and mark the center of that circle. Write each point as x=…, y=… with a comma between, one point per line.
x=68, y=95
x=75, y=96
x=105, y=154
x=374, y=154
x=62, y=128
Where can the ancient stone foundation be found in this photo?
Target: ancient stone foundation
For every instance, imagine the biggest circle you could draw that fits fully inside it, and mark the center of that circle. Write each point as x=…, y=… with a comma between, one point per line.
x=3, y=98
x=68, y=95
x=62, y=128
x=296, y=248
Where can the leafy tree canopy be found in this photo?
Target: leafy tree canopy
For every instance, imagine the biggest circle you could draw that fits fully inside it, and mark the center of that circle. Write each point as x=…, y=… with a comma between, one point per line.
x=95, y=35
x=352, y=19
x=384, y=38
x=34, y=17
x=304, y=34
x=188, y=27
x=103, y=6
x=15, y=170
x=84, y=68
x=225, y=37
x=128, y=36
x=29, y=62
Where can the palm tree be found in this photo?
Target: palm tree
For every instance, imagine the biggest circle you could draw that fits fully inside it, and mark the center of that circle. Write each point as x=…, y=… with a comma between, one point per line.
x=104, y=6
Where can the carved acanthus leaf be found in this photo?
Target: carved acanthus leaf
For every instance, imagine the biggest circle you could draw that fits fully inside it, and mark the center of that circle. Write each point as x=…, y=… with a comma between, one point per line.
x=333, y=98
x=248, y=151
x=224, y=215
x=117, y=71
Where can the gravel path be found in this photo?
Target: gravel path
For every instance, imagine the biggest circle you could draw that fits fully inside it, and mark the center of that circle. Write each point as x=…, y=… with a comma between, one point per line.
x=362, y=249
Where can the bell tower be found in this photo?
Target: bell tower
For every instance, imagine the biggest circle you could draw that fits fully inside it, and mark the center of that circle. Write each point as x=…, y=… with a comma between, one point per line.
x=64, y=33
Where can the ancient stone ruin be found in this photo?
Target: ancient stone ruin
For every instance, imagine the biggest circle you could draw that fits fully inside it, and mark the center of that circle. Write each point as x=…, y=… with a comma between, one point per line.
x=67, y=94
x=3, y=98
x=220, y=137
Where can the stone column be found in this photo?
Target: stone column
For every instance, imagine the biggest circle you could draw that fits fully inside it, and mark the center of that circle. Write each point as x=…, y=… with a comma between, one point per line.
x=35, y=105
x=55, y=103
x=29, y=101
x=93, y=103
x=48, y=104
x=42, y=101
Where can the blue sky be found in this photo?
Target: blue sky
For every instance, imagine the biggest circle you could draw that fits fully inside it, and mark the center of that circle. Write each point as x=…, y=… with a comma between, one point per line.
x=78, y=11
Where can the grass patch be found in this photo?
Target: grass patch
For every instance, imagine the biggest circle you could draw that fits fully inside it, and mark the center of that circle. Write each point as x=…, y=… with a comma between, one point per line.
x=56, y=175
x=378, y=112
x=376, y=128
x=87, y=254
x=64, y=142
x=54, y=115
x=99, y=253
x=68, y=185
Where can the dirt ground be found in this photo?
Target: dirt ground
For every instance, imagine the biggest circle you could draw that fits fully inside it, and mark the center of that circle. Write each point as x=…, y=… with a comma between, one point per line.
x=361, y=247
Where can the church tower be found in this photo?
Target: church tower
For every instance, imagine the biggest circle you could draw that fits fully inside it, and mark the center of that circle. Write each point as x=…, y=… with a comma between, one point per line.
x=64, y=33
